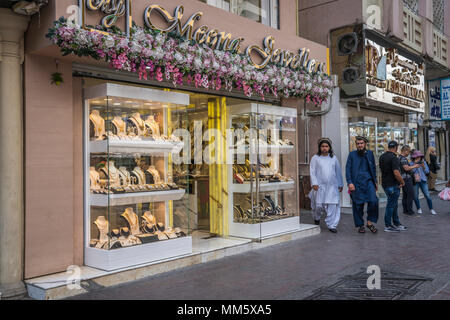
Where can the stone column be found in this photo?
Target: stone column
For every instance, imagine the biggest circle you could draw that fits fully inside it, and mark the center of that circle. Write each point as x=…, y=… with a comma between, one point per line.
x=12, y=28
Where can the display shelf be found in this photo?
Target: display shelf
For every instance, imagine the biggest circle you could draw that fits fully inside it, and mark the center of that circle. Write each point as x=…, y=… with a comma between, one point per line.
x=263, y=186
x=132, y=147
x=264, y=229
x=109, y=260
x=101, y=200
x=263, y=149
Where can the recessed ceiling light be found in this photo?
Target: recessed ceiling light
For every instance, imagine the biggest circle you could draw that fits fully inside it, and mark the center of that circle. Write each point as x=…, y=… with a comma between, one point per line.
x=117, y=103
x=129, y=101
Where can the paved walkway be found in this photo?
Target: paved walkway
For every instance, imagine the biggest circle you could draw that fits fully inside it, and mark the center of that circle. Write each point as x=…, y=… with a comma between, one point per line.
x=295, y=269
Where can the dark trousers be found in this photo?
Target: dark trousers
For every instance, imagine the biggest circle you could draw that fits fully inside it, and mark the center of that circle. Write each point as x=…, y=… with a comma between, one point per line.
x=408, y=196
x=358, y=213
x=391, y=215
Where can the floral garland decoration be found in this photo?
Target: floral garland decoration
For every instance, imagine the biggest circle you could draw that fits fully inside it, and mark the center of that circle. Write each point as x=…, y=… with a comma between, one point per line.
x=156, y=55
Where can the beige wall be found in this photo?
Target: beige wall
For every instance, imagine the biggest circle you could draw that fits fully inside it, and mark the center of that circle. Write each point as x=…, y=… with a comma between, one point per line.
x=53, y=207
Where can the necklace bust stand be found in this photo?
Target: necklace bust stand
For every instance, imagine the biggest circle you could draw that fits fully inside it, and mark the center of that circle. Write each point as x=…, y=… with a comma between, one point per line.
x=139, y=124
x=111, y=172
x=132, y=219
x=153, y=126
x=140, y=175
x=94, y=178
x=99, y=124
x=120, y=126
x=156, y=178
x=103, y=227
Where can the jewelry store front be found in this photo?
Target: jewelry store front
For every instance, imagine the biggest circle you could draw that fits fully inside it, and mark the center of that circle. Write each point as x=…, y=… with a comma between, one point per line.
x=165, y=164
x=178, y=144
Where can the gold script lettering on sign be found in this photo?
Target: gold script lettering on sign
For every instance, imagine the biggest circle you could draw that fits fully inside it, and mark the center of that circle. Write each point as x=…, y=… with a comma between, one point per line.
x=114, y=9
x=266, y=53
x=174, y=21
x=210, y=37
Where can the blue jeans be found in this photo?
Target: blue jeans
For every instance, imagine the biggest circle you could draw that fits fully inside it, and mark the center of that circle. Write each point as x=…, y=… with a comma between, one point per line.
x=423, y=185
x=391, y=215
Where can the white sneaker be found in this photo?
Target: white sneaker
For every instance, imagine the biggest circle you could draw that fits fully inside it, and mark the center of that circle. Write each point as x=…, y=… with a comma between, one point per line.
x=419, y=211
x=433, y=212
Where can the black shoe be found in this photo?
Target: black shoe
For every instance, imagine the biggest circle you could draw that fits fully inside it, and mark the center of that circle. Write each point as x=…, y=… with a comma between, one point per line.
x=317, y=222
x=333, y=230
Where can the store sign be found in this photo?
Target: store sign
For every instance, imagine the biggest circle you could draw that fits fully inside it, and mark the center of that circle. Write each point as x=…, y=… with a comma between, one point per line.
x=445, y=99
x=260, y=56
x=393, y=79
x=434, y=94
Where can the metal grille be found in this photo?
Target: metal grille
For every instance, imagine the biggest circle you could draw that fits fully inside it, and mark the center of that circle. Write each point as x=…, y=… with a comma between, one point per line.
x=394, y=286
x=438, y=14
x=412, y=5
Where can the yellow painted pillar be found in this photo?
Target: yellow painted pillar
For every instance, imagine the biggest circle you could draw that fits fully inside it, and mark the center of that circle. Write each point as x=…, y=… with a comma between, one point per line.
x=218, y=173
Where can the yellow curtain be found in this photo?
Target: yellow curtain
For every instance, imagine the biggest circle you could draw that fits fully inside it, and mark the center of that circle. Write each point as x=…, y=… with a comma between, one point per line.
x=218, y=174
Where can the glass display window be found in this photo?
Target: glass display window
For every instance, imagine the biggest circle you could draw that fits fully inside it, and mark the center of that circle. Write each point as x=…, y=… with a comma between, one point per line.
x=263, y=170
x=132, y=183
x=363, y=126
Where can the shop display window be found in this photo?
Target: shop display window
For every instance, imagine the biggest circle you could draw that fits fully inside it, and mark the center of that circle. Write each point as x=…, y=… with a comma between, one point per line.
x=131, y=192
x=263, y=176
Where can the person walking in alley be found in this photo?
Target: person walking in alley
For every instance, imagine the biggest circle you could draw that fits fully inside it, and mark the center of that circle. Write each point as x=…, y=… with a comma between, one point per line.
x=392, y=181
x=420, y=181
x=361, y=178
x=408, y=188
x=431, y=159
x=327, y=183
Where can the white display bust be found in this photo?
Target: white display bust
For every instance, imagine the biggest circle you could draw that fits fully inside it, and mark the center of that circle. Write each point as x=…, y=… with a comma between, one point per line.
x=99, y=124
x=139, y=123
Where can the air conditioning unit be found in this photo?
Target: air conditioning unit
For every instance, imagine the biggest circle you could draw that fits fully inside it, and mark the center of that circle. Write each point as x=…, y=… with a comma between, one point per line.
x=347, y=60
x=347, y=44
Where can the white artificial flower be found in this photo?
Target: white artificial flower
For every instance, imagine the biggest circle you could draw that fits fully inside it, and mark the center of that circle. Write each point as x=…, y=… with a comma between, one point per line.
x=198, y=63
x=286, y=81
x=135, y=47
x=83, y=39
x=184, y=45
x=179, y=57
x=259, y=77
x=159, y=53
x=109, y=42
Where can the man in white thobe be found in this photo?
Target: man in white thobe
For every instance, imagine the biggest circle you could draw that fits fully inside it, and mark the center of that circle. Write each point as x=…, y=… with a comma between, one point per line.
x=327, y=183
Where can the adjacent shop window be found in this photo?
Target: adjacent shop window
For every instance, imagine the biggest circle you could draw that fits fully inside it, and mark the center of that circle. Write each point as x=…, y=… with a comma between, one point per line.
x=263, y=11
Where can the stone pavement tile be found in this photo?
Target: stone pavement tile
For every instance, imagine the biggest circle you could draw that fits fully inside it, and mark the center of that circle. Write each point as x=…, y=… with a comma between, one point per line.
x=443, y=294
x=290, y=270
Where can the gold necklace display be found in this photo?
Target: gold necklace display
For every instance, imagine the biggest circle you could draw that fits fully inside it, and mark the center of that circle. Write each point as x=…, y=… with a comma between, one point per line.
x=132, y=219
x=99, y=123
x=140, y=124
x=152, y=170
x=112, y=173
x=153, y=125
x=120, y=125
x=140, y=174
